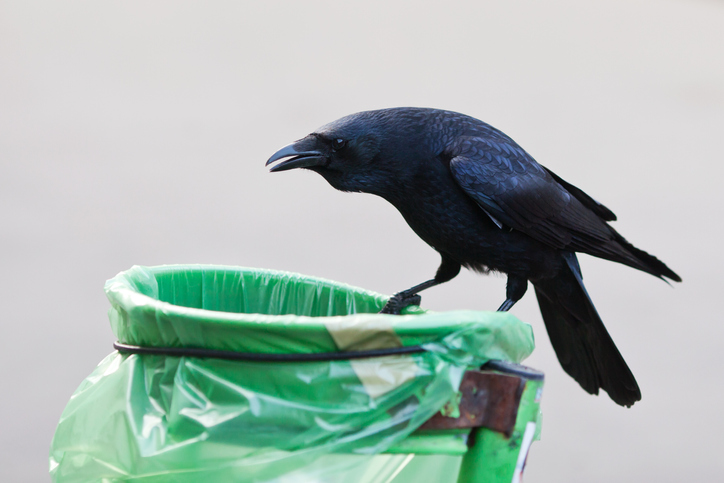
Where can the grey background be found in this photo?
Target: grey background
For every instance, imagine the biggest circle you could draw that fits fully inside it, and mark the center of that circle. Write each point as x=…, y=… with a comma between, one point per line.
x=136, y=133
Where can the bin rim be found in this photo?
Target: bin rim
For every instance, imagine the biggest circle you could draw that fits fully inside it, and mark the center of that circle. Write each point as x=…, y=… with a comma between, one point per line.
x=133, y=309
x=118, y=289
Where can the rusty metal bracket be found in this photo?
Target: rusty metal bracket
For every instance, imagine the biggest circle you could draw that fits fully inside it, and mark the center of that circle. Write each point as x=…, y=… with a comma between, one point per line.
x=488, y=399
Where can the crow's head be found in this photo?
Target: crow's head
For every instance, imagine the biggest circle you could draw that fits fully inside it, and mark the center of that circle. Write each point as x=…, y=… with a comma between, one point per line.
x=345, y=152
x=359, y=152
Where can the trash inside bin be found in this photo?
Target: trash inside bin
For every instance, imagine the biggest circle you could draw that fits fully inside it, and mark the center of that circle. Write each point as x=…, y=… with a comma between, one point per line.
x=235, y=374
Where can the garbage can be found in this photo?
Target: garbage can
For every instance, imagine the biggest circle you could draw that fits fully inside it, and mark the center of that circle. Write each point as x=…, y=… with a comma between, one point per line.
x=251, y=375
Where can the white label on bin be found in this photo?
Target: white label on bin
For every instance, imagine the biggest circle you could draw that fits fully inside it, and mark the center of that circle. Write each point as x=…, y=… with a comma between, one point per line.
x=524, y=447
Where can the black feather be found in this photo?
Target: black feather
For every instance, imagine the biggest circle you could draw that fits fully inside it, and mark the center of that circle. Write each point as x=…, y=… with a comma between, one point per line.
x=581, y=342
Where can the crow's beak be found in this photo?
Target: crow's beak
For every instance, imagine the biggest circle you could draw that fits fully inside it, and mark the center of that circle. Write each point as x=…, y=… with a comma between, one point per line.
x=300, y=154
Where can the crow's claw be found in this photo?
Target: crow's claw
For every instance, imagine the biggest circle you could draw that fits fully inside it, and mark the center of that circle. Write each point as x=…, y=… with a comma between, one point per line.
x=399, y=301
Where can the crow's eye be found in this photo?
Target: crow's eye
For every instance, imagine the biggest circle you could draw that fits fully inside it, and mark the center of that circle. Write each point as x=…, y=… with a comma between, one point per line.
x=338, y=144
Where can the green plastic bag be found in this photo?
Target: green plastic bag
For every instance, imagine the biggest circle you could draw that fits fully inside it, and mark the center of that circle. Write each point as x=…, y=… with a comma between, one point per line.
x=179, y=418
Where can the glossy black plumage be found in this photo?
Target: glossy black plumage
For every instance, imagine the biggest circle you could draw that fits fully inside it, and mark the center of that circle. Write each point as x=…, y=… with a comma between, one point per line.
x=482, y=202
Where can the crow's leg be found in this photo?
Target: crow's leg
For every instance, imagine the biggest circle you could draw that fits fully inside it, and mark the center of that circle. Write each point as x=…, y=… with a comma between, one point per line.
x=447, y=271
x=514, y=291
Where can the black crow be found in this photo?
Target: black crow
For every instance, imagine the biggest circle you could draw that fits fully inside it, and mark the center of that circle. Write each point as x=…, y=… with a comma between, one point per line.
x=481, y=201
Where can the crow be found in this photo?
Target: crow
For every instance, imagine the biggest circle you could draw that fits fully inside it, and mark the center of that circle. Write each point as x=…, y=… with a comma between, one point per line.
x=476, y=197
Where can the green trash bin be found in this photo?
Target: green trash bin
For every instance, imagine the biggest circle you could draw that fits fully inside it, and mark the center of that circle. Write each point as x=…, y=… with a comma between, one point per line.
x=249, y=375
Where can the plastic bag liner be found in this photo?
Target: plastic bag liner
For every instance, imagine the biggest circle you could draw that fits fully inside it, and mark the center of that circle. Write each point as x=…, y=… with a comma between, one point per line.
x=179, y=418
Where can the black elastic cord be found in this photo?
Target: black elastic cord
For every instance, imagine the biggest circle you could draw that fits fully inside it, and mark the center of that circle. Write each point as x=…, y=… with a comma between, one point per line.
x=252, y=356
x=514, y=370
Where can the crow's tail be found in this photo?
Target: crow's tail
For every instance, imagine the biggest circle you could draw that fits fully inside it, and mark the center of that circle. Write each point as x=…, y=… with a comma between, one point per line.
x=582, y=344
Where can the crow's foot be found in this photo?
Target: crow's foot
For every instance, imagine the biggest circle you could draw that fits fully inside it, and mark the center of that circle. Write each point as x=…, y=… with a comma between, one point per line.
x=399, y=301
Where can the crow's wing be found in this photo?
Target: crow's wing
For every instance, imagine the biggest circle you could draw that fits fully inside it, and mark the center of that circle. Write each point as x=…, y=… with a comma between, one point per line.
x=518, y=192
